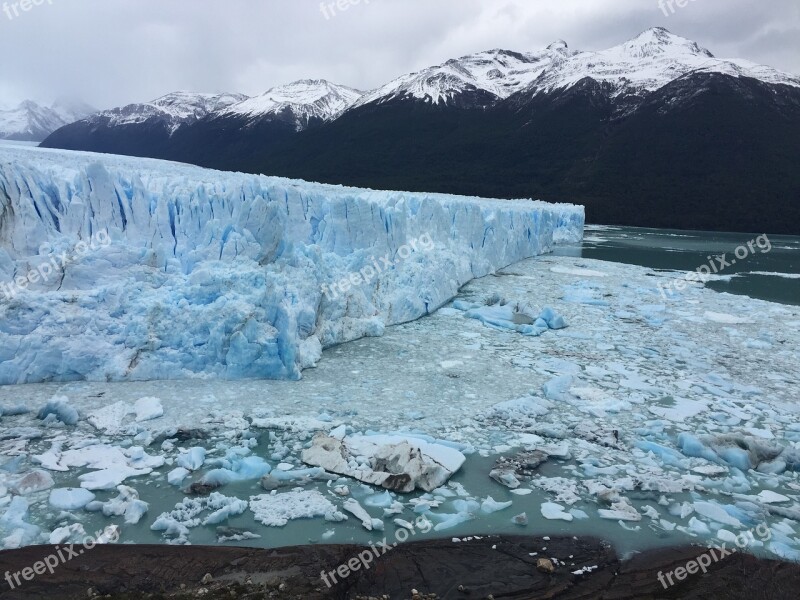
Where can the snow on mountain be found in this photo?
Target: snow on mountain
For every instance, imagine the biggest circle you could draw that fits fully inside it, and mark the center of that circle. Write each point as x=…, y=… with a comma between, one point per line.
x=499, y=73
x=115, y=268
x=31, y=121
x=303, y=100
x=648, y=62
x=173, y=110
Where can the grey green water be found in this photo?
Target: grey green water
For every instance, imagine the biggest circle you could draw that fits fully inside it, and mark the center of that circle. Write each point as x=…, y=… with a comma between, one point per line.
x=772, y=275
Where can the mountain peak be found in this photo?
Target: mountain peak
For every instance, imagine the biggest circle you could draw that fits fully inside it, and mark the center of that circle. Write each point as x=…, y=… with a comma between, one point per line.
x=659, y=40
x=559, y=46
x=305, y=99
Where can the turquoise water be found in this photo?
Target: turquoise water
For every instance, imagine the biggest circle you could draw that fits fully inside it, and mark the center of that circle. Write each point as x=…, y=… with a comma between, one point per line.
x=778, y=255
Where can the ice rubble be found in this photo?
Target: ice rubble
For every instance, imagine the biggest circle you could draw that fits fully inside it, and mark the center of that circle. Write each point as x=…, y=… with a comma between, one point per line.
x=620, y=422
x=400, y=463
x=167, y=271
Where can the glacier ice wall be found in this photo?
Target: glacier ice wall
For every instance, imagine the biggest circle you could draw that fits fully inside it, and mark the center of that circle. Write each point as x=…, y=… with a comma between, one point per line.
x=166, y=271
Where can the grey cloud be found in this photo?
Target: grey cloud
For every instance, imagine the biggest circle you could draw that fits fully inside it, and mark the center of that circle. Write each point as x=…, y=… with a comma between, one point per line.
x=111, y=52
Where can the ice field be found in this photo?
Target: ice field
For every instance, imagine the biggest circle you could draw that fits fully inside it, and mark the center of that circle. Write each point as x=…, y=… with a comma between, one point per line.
x=675, y=420
x=550, y=394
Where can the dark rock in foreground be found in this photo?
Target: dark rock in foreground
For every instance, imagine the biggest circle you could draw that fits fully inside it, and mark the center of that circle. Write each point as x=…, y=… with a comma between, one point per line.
x=492, y=567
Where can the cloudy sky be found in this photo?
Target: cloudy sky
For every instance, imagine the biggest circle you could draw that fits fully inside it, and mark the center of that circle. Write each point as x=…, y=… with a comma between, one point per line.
x=112, y=52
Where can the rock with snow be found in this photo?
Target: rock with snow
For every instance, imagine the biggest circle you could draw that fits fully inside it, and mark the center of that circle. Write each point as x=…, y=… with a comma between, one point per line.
x=397, y=463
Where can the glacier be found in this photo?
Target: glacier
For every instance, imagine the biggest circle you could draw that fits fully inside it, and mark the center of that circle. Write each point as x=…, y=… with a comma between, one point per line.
x=118, y=269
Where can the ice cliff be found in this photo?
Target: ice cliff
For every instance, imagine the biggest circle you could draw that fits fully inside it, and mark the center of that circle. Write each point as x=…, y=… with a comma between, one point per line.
x=115, y=268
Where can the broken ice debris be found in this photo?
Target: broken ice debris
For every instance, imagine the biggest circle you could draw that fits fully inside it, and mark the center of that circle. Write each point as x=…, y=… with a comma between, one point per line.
x=394, y=462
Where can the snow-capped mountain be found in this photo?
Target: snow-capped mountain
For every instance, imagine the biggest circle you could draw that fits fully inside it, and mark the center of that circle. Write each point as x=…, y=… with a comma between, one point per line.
x=33, y=122
x=490, y=75
x=647, y=62
x=172, y=110
x=608, y=129
x=302, y=101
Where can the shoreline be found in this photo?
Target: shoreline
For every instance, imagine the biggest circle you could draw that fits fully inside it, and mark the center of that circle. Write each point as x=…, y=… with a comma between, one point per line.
x=495, y=566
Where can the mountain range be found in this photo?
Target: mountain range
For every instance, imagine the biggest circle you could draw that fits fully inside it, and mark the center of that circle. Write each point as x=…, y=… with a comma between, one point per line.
x=33, y=122
x=656, y=132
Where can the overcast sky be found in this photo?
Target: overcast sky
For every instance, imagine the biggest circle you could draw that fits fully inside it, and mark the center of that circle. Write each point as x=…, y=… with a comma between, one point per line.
x=112, y=52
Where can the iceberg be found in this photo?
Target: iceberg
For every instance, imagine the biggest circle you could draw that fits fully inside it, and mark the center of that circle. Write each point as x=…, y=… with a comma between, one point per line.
x=117, y=269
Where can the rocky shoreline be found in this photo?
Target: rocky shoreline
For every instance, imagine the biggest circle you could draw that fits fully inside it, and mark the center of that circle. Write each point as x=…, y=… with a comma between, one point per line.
x=490, y=567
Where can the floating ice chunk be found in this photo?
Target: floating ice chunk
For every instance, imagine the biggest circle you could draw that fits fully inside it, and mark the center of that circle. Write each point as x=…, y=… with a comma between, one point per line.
x=784, y=551
x=716, y=512
x=394, y=462
x=147, y=409
x=61, y=408
x=553, y=319
x=62, y=535
x=667, y=455
x=770, y=497
x=710, y=470
x=690, y=445
x=404, y=524
x=193, y=459
x=232, y=507
x=490, y=505
x=177, y=475
x=14, y=531
x=177, y=523
x=383, y=500
x=276, y=510
x=621, y=510
x=127, y=503
x=555, y=512
x=339, y=432
x=352, y=506
x=108, y=479
x=450, y=520
x=135, y=511
x=35, y=481
x=110, y=418
x=565, y=490
x=520, y=519
x=70, y=498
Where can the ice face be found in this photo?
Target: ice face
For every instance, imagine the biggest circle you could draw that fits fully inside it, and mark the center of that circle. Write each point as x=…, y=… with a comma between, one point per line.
x=117, y=268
